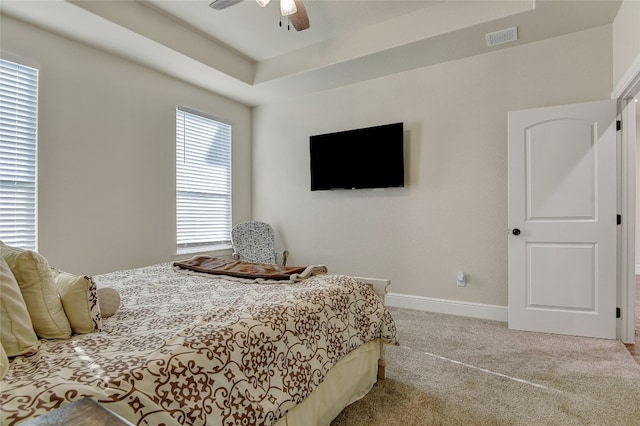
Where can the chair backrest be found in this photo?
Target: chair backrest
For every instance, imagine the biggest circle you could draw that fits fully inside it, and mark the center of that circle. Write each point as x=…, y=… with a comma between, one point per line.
x=254, y=242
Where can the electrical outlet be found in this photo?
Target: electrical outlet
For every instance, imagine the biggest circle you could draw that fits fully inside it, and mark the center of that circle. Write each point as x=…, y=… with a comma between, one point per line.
x=461, y=279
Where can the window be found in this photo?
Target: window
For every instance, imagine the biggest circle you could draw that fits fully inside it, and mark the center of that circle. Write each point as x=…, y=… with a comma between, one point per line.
x=203, y=182
x=18, y=154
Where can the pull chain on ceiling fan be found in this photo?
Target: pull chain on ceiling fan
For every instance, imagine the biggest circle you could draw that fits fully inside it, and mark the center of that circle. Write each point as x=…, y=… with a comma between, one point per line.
x=293, y=9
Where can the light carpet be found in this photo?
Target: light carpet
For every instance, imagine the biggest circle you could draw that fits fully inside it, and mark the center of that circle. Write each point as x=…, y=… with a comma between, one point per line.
x=451, y=370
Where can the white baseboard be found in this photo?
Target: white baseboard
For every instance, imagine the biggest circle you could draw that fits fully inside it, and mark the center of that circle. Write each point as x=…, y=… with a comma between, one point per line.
x=451, y=307
x=637, y=269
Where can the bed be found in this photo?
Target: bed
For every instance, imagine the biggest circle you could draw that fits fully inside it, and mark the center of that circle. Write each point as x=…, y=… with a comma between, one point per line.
x=194, y=348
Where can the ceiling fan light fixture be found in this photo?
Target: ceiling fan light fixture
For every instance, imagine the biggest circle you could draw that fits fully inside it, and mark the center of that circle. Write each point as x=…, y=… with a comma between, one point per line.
x=287, y=7
x=223, y=4
x=263, y=3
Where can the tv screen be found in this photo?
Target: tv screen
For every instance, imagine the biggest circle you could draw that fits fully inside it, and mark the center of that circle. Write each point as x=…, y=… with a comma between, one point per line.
x=372, y=157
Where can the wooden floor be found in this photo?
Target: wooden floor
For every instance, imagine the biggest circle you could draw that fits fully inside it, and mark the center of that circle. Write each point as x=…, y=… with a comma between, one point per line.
x=635, y=349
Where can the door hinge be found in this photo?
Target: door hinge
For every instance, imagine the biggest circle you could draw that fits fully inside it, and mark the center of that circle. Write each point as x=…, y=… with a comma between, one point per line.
x=618, y=313
x=618, y=125
x=619, y=219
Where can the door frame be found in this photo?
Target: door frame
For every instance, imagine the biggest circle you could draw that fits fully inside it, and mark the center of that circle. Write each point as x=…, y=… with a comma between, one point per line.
x=627, y=88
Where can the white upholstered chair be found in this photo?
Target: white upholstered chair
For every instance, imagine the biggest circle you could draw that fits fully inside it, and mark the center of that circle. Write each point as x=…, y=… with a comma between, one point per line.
x=255, y=242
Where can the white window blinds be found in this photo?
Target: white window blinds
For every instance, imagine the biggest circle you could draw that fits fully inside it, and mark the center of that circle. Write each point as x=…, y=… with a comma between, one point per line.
x=18, y=154
x=203, y=182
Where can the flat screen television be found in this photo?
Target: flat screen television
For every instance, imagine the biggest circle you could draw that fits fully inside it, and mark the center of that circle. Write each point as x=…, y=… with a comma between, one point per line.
x=371, y=157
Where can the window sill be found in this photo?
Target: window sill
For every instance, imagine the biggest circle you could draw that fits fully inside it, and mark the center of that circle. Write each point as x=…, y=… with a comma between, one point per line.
x=215, y=251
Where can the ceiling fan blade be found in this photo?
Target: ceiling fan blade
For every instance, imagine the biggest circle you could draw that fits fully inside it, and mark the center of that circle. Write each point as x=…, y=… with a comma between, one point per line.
x=223, y=4
x=300, y=19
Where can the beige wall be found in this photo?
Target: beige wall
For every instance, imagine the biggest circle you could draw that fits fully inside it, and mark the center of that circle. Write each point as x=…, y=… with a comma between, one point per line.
x=626, y=38
x=107, y=161
x=452, y=215
x=106, y=157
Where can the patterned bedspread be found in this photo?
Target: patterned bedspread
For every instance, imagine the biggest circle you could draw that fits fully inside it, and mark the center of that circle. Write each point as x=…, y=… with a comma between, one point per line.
x=192, y=349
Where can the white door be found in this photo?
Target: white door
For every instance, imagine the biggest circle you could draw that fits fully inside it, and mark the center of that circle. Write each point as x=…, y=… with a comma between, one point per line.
x=562, y=219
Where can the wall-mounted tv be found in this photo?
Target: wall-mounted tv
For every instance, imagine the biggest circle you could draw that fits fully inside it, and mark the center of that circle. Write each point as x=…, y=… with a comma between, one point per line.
x=372, y=157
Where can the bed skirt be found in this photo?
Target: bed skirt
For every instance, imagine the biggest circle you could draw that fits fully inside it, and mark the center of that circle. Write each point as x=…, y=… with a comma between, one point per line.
x=346, y=382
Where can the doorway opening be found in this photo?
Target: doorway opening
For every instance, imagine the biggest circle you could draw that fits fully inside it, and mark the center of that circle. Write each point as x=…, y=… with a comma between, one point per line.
x=634, y=349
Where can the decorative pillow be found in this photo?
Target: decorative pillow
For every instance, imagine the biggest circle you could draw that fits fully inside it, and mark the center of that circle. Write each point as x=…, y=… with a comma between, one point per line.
x=109, y=300
x=4, y=362
x=16, y=334
x=79, y=296
x=33, y=275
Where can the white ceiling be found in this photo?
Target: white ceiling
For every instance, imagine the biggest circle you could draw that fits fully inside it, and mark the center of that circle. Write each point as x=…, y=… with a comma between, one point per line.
x=255, y=31
x=242, y=52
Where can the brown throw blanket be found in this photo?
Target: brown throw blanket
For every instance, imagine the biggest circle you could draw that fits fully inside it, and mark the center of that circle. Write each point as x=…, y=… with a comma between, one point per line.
x=241, y=269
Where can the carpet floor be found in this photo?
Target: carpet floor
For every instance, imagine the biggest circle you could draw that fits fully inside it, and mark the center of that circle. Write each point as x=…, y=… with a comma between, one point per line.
x=451, y=370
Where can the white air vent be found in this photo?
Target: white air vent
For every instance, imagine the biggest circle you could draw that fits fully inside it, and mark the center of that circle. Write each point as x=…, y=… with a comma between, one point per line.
x=502, y=36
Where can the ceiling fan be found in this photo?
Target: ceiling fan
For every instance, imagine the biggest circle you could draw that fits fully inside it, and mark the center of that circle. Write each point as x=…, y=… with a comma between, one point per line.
x=294, y=9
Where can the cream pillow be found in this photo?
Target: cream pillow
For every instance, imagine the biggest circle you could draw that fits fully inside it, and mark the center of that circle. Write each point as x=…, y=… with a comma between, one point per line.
x=33, y=275
x=109, y=300
x=16, y=333
x=4, y=362
x=79, y=296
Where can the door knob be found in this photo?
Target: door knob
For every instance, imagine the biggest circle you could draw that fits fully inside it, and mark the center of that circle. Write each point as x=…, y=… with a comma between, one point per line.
x=516, y=231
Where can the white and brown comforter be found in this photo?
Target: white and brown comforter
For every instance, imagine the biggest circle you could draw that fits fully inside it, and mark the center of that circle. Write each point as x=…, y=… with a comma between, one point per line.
x=191, y=349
